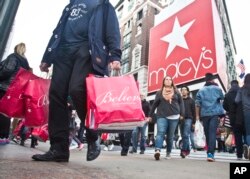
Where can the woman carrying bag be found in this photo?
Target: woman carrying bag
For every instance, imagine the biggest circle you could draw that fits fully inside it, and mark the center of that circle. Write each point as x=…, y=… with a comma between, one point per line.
x=8, y=70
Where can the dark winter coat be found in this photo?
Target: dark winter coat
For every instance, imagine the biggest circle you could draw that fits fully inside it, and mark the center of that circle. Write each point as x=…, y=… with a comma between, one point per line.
x=234, y=110
x=9, y=68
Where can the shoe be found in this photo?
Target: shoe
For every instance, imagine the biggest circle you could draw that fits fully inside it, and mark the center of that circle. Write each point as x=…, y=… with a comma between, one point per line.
x=142, y=152
x=124, y=152
x=22, y=143
x=32, y=146
x=168, y=156
x=94, y=150
x=245, y=151
x=111, y=147
x=80, y=146
x=7, y=141
x=72, y=146
x=2, y=141
x=51, y=156
x=239, y=158
x=105, y=148
x=157, y=155
x=132, y=151
x=210, y=157
x=183, y=154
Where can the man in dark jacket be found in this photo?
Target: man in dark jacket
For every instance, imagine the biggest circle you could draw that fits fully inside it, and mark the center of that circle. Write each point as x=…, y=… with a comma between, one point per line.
x=86, y=40
x=187, y=121
x=235, y=114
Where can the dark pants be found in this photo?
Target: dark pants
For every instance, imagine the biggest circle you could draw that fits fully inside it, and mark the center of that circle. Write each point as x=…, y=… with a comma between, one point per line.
x=125, y=139
x=4, y=126
x=239, y=133
x=70, y=69
x=4, y=123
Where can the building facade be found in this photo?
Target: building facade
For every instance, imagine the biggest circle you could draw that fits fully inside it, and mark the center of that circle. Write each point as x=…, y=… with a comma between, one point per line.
x=137, y=19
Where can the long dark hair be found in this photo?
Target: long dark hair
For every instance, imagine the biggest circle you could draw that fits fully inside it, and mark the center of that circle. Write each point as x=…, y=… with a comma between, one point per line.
x=163, y=85
x=247, y=83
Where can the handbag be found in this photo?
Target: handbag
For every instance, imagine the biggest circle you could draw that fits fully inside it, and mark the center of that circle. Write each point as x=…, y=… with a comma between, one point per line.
x=199, y=135
x=36, y=102
x=12, y=103
x=114, y=104
x=230, y=141
x=41, y=133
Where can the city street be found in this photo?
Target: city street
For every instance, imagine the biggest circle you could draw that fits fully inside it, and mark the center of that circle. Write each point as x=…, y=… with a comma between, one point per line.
x=16, y=162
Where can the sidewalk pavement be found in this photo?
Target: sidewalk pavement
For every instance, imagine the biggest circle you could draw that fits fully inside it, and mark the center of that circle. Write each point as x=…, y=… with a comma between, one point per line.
x=16, y=162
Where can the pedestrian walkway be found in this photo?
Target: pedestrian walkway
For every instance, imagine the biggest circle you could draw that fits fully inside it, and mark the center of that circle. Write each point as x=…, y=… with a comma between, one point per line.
x=16, y=162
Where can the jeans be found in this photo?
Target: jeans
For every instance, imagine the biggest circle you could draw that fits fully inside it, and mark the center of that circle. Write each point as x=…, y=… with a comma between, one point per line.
x=192, y=140
x=165, y=126
x=210, y=124
x=247, y=126
x=187, y=124
x=141, y=131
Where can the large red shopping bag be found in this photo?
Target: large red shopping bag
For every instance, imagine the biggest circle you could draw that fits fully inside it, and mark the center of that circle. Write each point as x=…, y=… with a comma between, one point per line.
x=12, y=103
x=114, y=104
x=36, y=102
x=41, y=133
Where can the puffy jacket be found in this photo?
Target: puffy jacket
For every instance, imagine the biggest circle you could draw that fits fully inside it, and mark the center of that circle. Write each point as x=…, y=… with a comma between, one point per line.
x=9, y=67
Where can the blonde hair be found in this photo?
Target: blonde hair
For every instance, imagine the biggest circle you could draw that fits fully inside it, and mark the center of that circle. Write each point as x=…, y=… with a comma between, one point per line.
x=20, y=49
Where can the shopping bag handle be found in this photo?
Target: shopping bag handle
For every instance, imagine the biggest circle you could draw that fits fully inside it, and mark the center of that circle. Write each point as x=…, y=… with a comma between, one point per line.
x=115, y=72
x=42, y=76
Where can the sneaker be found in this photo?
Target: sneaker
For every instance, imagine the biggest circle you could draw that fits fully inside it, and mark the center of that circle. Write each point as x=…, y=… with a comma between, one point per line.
x=2, y=141
x=111, y=147
x=183, y=154
x=210, y=157
x=168, y=156
x=157, y=155
x=72, y=146
x=105, y=148
x=7, y=141
x=80, y=146
x=245, y=151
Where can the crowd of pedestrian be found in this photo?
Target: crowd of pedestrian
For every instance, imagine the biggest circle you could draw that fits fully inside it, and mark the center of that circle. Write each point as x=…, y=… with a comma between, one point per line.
x=73, y=52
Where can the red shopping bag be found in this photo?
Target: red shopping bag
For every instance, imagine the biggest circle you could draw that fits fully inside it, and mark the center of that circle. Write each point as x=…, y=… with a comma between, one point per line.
x=41, y=133
x=114, y=104
x=104, y=136
x=12, y=103
x=36, y=102
x=18, y=128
